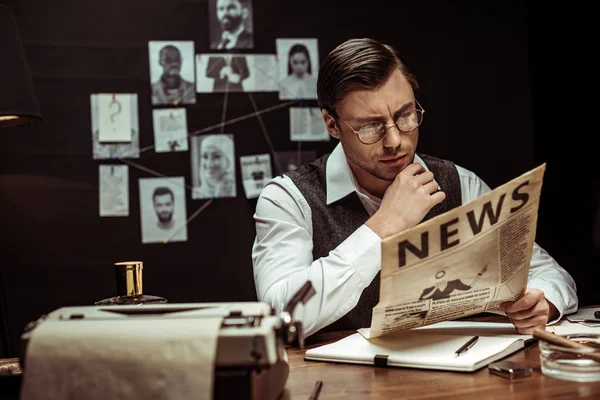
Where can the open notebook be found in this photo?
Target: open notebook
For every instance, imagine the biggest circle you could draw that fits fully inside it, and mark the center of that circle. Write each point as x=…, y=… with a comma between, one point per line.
x=429, y=347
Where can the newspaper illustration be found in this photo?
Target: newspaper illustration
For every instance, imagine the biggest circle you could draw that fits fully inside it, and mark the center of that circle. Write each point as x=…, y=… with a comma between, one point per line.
x=463, y=262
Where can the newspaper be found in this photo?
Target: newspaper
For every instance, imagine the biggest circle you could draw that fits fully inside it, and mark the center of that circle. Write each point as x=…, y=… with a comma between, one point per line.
x=465, y=261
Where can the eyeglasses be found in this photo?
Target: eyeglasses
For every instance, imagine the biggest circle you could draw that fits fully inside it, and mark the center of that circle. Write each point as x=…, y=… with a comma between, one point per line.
x=406, y=122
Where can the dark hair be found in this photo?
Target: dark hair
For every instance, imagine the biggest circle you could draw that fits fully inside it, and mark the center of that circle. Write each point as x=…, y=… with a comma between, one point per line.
x=298, y=48
x=243, y=3
x=162, y=190
x=357, y=64
x=168, y=47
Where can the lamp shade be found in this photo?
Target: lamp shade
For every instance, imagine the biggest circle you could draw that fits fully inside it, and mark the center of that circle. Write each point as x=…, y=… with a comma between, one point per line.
x=18, y=105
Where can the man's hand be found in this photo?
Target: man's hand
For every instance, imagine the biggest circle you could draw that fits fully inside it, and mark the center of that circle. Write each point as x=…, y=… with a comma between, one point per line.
x=225, y=71
x=531, y=311
x=408, y=199
x=234, y=78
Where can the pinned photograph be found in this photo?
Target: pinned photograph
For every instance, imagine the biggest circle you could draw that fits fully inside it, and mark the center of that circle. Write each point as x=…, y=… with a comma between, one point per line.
x=213, y=166
x=114, y=190
x=162, y=210
x=288, y=161
x=170, y=129
x=298, y=68
x=172, y=72
x=307, y=125
x=220, y=73
x=111, y=114
x=230, y=24
x=256, y=172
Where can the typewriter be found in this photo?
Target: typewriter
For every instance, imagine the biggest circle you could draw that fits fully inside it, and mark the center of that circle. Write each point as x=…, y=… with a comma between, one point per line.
x=251, y=362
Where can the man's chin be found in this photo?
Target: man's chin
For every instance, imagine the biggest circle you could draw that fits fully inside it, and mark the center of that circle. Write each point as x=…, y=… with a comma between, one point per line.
x=388, y=175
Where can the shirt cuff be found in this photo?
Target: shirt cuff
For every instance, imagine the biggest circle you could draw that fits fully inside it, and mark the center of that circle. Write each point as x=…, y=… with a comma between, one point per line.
x=362, y=250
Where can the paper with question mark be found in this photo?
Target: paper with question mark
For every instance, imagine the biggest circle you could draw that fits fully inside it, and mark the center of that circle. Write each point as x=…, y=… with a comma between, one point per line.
x=114, y=119
x=170, y=129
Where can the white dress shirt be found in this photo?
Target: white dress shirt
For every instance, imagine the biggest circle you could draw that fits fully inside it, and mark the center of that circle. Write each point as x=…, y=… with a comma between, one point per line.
x=283, y=260
x=229, y=39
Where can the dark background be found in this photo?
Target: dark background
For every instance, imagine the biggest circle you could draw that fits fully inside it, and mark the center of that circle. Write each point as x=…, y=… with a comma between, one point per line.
x=502, y=83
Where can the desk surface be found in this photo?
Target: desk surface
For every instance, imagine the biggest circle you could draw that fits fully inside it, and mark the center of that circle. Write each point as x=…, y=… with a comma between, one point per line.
x=349, y=382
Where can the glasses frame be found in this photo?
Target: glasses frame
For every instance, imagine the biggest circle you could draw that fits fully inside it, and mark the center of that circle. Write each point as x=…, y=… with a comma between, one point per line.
x=387, y=126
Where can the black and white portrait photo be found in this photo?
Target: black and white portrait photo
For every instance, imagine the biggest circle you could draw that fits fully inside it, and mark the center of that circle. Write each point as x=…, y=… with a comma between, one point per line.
x=230, y=24
x=298, y=68
x=255, y=171
x=111, y=114
x=172, y=72
x=213, y=166
x=220, y=73
x=307, y=125
x=162, y=210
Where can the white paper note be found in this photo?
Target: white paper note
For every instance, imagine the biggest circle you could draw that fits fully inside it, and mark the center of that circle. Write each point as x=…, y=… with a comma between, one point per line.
x=256, y=171
x=131, y=359
x=114, y=118
x=307, y=125
x=114, y=190
x=170, y=130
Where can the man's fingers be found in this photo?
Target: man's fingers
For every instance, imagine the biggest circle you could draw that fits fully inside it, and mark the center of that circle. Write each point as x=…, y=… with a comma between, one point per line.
x=438, y=197
x=413, y=169
x=431, y=187
x=526, y=326
x=541, y=308
x=529, y=299
x=424, y=177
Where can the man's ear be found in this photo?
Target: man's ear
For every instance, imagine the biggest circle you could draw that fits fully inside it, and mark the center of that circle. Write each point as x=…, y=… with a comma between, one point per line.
x=330, y=123
x=245, y=12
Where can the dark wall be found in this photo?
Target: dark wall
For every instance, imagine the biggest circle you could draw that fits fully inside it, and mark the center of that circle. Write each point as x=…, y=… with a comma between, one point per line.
x=472, y=61
x=563, y=76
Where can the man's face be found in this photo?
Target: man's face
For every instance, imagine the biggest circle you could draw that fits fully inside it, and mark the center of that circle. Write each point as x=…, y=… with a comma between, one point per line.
x=385, y=159
x=230, y=14
x=163, y=205
x=170, y=60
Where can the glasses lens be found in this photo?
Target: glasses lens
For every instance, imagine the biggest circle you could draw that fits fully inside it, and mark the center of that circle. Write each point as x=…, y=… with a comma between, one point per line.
x=409, y=121
x=371, y=133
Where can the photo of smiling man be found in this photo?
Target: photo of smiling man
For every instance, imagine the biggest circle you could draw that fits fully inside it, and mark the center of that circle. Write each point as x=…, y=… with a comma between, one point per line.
x=172, y=72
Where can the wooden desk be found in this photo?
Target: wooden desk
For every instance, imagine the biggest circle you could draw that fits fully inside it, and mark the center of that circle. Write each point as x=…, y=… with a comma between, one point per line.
x=347, y=382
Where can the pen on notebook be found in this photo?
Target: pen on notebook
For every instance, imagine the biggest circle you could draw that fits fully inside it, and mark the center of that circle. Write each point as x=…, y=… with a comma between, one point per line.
x=465, y=347
x=316, y=390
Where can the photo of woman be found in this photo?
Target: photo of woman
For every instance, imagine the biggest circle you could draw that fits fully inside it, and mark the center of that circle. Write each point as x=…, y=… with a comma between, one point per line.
x=301, y=57
x=213, y=166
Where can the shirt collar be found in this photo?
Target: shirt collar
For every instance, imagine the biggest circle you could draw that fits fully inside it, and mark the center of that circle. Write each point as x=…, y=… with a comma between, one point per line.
x=233, y=36
x=339, y=178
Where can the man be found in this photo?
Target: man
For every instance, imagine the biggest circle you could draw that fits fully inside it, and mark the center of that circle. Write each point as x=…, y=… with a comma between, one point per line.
x=324, y=222
x=228, y=72
x=171, y=88
x=163, y=201
x=232, y=15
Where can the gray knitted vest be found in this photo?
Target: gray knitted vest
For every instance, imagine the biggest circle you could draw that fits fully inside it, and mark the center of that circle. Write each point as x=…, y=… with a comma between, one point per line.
x=333, y=223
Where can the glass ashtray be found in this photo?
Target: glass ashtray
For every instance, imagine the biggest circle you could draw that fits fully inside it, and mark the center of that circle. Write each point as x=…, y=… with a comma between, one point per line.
x=572, y=364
